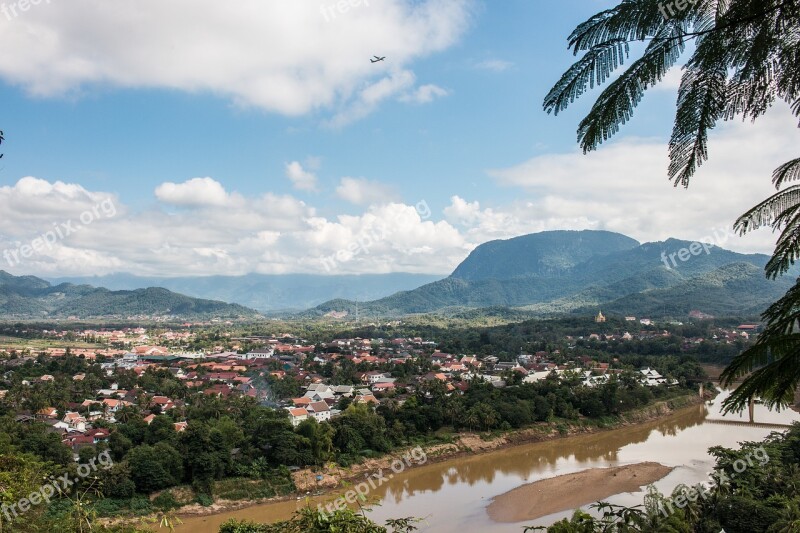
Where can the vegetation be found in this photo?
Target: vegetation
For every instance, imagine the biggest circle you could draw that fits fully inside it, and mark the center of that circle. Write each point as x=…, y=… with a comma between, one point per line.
x=311, y=521
x=32, y=297
x=745, y=58
x=562, y=272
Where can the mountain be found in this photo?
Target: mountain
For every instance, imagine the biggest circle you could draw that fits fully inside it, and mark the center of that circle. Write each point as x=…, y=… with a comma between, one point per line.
x=31, y=297
x=268, y=293
x=559, y=272
x=540, y=254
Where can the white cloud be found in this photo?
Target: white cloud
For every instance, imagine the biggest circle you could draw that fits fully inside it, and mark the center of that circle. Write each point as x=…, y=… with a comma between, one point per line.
x=623, y=186
x=243, y=51
x=494, y=65
x=371, y=96
x=425, y=94
x=267, y=234
x=301, y=179
x=362, y=191
x=194, y=192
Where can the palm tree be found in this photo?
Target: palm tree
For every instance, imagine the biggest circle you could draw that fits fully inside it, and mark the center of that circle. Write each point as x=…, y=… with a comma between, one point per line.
x=746, y=57
x=471, y=419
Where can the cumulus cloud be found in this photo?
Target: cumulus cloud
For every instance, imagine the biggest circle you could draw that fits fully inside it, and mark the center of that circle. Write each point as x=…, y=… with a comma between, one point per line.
x=268, y=233
x=301, y=179
x=362, y=191
x=624, y=187
x=425, y=94
x=194, y=192
x=228, y=50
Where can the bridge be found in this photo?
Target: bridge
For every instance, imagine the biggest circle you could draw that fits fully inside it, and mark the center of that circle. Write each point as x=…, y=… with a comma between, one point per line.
x=747, y=424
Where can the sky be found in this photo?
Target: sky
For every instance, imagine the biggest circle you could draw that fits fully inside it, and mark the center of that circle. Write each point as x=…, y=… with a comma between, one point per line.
x=198, y=137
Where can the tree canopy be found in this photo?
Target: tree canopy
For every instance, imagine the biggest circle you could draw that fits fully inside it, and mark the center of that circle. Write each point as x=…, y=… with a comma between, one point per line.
x=745, y=58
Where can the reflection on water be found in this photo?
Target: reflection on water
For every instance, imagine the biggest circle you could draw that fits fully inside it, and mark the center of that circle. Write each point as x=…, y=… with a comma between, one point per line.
x=452, y=495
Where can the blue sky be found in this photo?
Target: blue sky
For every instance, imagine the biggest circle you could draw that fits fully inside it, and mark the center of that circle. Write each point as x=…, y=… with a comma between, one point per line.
x=245, y=137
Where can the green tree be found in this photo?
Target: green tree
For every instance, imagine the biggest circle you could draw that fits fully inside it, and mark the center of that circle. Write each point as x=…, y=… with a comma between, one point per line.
x=745, y=57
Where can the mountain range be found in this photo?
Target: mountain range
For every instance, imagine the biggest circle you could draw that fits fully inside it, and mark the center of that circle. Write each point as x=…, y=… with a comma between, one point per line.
x=32, y=297
x=561, y=272
x=267, y=293
x=551, y=273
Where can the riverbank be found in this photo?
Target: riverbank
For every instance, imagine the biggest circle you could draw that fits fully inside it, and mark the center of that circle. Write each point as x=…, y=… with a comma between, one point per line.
x=326, y=480
x=570, y=491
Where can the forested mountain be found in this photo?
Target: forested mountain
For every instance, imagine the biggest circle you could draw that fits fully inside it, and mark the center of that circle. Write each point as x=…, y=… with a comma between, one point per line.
x=267, y=292
x=559, y=272
x=31, y=297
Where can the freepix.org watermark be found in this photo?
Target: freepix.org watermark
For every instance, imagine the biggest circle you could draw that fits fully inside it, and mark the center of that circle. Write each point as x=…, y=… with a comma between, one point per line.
x=360, y=491
x=704, y=245
x=56, y=485
x=701, y=491
x=60, y=231
x=341, y=7
x=674, y=7
x=14, y=9
x=367, y=239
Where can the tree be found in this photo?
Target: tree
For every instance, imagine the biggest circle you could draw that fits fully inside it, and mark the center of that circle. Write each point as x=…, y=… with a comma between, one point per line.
x=745, y=58
x=147, y=470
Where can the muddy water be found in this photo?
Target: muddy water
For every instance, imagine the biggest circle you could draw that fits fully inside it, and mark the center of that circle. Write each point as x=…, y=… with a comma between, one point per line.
x=452, y=496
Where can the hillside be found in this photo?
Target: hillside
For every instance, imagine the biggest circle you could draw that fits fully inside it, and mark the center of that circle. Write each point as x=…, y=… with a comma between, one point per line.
x=267, y=293
x=31, y=297
x=561, y=272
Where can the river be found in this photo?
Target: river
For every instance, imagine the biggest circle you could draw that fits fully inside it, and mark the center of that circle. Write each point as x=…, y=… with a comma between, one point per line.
x=452, y=495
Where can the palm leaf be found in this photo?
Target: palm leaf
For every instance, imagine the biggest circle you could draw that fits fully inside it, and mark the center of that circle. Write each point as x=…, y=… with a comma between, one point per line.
x=615, y=105
x=592, y=69
x=787, y=172
x=781, y=210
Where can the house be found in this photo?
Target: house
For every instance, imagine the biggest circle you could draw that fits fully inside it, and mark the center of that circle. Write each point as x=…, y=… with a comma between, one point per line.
x=652, y=378
x=181, y=426
x=47, y=412
x=384, y=387
x=297, y=415
x=471, y=361
x=302, y=402
x=343, y=390
x=98, y=435
x=320, y=411
x=369, y=399
x=163, y=402
x=265, y=353
x=74, y=421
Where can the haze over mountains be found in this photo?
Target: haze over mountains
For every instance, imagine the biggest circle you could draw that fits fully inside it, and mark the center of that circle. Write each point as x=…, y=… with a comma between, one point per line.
x=548, y=274
x=268, y=293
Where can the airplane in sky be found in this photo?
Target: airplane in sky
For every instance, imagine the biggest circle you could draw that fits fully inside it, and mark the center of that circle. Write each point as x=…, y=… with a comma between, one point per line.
x=376, y=59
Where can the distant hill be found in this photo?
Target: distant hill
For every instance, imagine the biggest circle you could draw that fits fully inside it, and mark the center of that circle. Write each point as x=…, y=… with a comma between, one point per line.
x=31, y=297
x=268, y=293
x=560, y=272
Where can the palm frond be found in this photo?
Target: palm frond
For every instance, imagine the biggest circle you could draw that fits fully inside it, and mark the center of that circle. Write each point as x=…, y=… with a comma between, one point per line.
x=781, y=210
x=615, y=105
x=772, y=365
x=594, y=68
x=630, y=20
x=701, y=102
x=787, y=172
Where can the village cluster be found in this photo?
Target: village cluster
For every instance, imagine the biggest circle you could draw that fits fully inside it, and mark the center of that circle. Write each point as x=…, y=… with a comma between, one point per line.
x=248, y=365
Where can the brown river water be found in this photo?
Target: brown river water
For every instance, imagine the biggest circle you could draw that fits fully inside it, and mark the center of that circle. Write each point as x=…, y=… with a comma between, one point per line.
x=452, y=495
